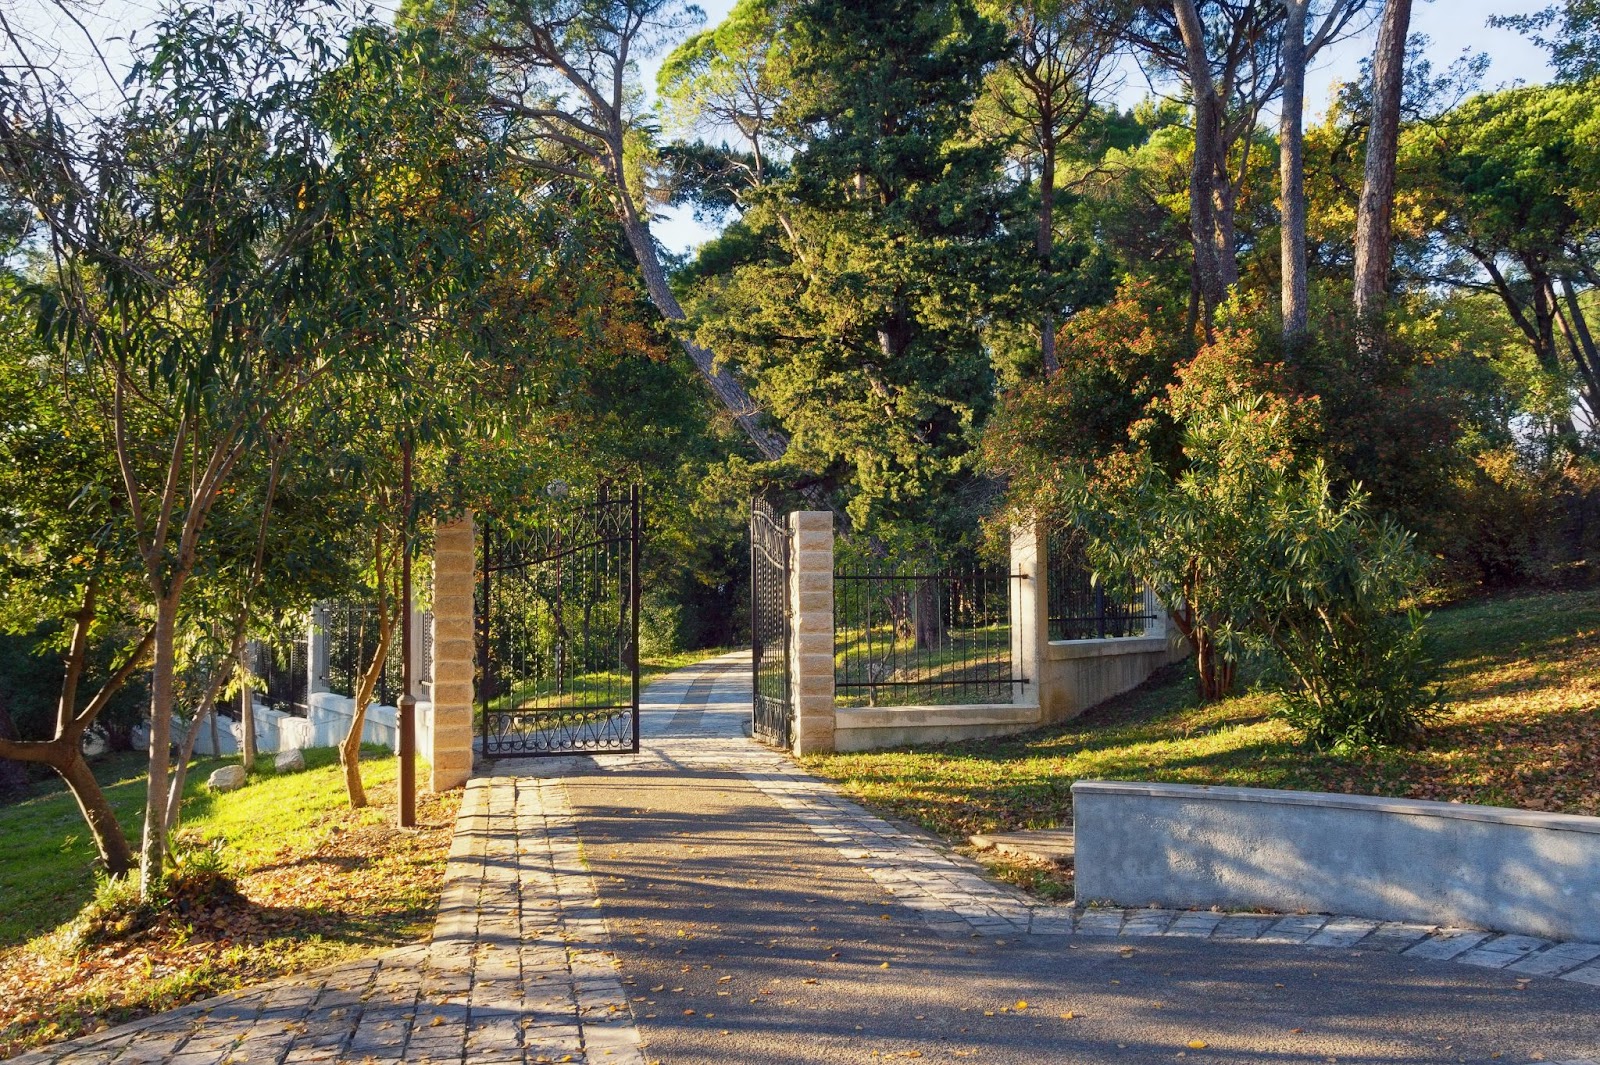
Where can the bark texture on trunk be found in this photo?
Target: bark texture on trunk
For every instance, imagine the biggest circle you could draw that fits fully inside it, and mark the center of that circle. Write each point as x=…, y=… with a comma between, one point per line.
x=1210, y=196
x=152, y=851
x=730, y=392
x=247, y=721
x=1292, y=175
x=1375, y=213
x=109, y=839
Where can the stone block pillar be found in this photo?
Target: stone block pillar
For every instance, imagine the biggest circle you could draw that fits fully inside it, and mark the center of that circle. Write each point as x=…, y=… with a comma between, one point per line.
x=1030, y=613
x=811, y=645
x=455, y=577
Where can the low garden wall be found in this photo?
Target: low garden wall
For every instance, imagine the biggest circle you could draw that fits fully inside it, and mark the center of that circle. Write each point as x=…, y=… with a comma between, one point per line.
x=326, y=724
x=869, y=728
x=1078, y=674
x=1180, y=845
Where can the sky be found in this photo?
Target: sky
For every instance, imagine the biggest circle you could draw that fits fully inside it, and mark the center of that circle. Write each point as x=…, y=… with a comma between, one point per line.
x=82, y=53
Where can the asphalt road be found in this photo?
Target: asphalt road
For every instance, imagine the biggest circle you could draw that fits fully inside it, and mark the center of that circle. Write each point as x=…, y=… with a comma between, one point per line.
x=744, y=939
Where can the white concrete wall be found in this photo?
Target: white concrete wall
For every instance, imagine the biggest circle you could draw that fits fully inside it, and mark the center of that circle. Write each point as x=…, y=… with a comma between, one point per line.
x=1387, y=859
x=1078, y=674
x=326, y=724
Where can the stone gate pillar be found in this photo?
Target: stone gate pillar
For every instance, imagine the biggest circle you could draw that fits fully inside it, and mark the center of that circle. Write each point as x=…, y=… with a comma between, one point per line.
x=811, y=610
x=455, y=576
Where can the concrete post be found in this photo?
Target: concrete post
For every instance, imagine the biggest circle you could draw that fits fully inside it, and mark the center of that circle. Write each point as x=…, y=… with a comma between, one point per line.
x=1030, y=613
x=455, y=576
x=317, y=651
x=1157, y=625
x=811, y=613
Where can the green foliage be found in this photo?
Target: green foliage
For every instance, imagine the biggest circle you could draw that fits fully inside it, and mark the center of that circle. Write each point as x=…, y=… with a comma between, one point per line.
x=854, y=311
x=1256, y=550
x=1363, y=685
x=1569, y=31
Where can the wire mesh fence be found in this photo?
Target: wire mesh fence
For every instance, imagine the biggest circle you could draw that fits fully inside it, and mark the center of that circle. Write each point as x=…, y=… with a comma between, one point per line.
x=1083, y=608
x=904, y=637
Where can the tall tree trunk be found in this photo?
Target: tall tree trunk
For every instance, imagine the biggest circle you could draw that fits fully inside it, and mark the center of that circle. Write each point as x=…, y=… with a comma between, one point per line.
x=729, y=391
x=1044, y=245
x=207, y=710
x=247, y=720
x=1375, y=213
x=350, y=746
x=153, y=848
x=1292, y=176
x=1206, y=228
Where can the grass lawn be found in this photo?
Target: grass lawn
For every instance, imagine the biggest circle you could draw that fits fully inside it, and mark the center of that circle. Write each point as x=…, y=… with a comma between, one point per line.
x=1521, y=728
x=320, y=883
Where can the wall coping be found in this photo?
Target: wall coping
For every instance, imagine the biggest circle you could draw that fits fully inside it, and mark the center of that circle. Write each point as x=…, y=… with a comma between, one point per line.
x=1056, y=650
x=848, y=717
x=1332, y=800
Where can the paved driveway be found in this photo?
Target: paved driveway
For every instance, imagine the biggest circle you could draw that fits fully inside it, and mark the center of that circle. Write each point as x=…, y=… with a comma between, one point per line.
x=707, y=902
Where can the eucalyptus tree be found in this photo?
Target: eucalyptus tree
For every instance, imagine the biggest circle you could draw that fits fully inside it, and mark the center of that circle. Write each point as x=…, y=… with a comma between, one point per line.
x=195, y=288
x=67, y=570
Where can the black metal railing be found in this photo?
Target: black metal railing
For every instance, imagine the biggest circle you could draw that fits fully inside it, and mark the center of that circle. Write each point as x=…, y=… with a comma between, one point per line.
x=904, y=637
x=281, y=675
x=352, y=632
x=1083, y=608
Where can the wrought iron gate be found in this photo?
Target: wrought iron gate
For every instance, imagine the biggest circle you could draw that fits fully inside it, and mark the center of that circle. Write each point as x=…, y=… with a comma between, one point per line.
x=772, y=706
x=558, y=630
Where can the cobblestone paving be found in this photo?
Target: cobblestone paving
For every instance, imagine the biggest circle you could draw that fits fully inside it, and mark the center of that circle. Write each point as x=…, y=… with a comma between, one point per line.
x=517, y=973
x=519, y=969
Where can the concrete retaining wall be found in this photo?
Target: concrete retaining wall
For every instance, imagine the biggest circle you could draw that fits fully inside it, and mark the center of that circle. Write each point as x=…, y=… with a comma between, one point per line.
x=1078, y=674
x=863, y=728
x=1388, y=859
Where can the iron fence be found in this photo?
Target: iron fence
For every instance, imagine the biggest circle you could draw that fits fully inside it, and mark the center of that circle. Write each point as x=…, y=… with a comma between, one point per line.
x=282, y=675
x=1083, y=608
x=351, y=630
x=908, y=638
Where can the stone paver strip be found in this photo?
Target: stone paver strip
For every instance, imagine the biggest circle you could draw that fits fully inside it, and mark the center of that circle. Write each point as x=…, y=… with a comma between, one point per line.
x=1501, y=951
x=1342, y=932
x=1447, y=943
x=1561, y=958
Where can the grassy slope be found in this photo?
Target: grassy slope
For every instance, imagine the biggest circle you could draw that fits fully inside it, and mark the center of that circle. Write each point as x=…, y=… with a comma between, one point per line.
x=1522, y=728
x=320, y=883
